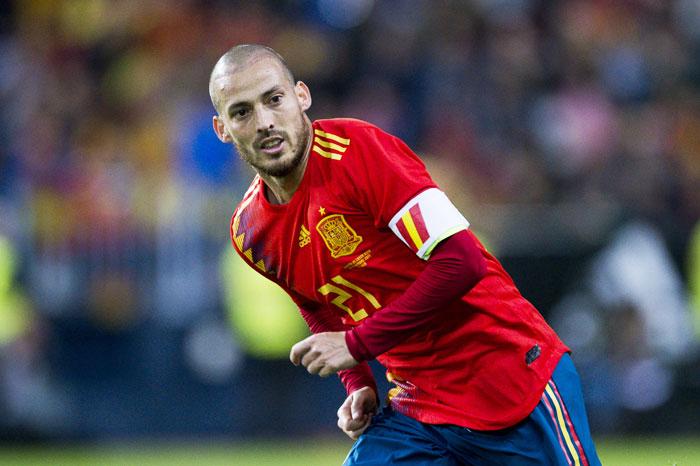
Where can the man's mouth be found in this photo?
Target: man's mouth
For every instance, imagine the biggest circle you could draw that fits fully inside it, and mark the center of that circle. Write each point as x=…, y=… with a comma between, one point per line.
x=271, y=145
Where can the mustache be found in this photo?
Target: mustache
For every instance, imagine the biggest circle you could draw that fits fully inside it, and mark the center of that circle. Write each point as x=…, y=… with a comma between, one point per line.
x=269, y=133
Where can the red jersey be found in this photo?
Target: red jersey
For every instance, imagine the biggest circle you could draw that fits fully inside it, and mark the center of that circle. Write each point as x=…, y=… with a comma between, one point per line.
x=353, y=238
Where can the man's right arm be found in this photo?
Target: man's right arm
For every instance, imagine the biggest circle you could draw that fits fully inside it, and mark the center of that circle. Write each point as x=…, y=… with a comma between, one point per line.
x=356, y=412
x=322, y=319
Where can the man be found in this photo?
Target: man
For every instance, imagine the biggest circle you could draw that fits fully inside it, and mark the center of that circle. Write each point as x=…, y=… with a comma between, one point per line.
x=345, y=218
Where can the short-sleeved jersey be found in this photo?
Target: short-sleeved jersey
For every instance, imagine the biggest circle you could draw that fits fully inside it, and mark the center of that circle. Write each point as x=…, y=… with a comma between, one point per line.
x=355, y=236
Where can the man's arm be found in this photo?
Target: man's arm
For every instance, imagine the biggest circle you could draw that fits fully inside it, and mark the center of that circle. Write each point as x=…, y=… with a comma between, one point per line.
x=322, y=320
x=455, y=267
x=355, y=414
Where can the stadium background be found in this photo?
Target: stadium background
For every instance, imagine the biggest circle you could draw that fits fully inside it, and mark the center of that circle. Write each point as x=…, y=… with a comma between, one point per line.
x=567, y=131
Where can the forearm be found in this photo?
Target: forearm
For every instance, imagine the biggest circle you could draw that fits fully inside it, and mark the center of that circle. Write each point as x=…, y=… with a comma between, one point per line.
x=454, y=268
x=323, y=319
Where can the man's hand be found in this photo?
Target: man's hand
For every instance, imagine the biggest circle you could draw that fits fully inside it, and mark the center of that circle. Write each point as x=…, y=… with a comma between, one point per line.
x=355, y=414
x=323, y=353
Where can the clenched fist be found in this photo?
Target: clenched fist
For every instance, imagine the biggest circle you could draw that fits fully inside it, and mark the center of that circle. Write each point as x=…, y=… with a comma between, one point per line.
x=323, y=353
x=355, y=414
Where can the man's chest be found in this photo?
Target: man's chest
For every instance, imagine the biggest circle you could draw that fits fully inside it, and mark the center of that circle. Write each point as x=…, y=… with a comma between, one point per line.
x=332, y=238
x=328, y=251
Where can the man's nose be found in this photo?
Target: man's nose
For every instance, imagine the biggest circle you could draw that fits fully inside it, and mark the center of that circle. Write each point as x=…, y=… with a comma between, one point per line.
x=264, y=121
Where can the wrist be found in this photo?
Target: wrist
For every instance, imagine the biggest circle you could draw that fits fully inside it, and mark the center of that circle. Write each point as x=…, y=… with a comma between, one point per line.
x=364, y=388
x=367, y=393
x=356, y=347
x=358, y=377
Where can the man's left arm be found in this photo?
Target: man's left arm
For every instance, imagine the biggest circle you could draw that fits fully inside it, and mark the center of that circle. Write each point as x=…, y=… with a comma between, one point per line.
x=455, y=266
x=409, y=202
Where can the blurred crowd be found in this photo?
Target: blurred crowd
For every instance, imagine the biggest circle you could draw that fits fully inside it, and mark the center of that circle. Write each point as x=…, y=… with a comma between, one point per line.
x=567, y=131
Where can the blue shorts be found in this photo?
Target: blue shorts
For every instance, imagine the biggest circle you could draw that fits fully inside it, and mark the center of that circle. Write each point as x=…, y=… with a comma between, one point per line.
x=555, y=433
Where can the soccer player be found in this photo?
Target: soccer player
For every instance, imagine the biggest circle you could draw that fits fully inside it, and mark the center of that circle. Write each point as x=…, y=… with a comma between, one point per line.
x=345, y=218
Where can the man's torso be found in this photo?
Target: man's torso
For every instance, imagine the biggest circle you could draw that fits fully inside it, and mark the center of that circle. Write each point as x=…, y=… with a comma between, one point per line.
x=483, y=361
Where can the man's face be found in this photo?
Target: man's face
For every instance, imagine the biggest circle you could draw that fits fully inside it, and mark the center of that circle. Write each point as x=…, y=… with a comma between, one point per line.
x=262, y=113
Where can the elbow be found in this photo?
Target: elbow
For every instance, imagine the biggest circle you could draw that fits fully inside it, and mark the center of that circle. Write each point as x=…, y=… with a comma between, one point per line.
x=466, y=259
x=470, y=268
x=475, y=271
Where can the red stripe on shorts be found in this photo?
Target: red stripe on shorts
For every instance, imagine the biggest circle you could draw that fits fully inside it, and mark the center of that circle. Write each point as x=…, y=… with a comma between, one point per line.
x=556, y=427
x=577, y=442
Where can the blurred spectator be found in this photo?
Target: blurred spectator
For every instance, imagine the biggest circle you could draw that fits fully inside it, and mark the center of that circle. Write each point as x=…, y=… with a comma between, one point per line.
x=635, y=271
x=694, y=278
x=629, y=324
x=30, y=401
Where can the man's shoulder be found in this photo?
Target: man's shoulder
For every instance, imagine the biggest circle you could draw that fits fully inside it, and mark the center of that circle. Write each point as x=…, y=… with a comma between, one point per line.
x=345, y=139
x=239, y=219
x=343, y=126
x=249, y=195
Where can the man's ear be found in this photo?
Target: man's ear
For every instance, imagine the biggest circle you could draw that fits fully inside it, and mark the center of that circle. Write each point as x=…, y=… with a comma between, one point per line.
x=220, y=130
x=303, y=95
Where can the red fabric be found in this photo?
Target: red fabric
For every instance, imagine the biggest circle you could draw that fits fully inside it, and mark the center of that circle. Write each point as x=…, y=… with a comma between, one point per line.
x=468, y=367
x=401, y=226
x=454, y=267
x=418, y=221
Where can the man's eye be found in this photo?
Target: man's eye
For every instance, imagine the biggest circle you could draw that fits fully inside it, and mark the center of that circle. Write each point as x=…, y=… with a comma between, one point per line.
x=275, y=99
x=240, y=113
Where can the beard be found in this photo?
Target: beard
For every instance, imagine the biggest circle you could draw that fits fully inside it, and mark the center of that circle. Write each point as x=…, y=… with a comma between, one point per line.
x=279, y=168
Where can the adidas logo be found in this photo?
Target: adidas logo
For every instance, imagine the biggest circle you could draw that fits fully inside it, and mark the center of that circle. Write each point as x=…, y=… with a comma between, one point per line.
x=304, y=236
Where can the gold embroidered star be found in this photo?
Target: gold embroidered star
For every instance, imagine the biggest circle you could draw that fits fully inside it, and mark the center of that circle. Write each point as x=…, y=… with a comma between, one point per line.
x=322, y=211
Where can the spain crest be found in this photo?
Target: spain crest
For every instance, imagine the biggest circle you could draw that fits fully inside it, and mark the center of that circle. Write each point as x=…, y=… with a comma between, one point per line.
x=339, y=237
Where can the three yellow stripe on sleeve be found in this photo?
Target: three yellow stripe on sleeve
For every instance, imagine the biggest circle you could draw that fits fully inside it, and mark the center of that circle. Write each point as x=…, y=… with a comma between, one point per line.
x=341, y=145
x=332, y=137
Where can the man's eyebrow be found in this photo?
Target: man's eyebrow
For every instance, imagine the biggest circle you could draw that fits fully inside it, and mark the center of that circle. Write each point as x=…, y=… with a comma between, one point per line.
x=273, y=89
x=243, y=103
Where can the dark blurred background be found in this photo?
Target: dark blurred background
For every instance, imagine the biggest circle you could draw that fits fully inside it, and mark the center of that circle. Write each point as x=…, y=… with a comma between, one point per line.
x=568, y=133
